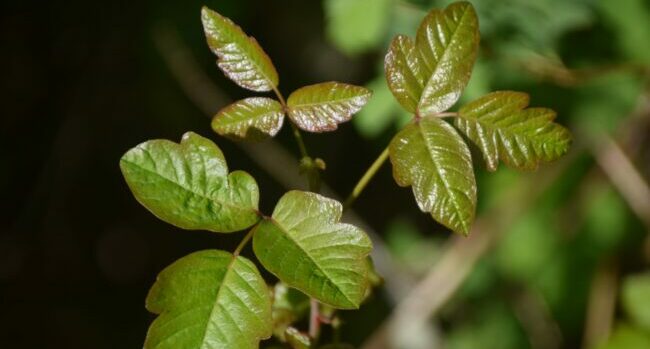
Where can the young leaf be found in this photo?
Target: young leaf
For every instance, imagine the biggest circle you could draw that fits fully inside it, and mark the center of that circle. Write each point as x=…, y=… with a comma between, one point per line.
x=209, y=299
x=240, y=57
x=306, y=247
x=188, y=185
x=432, y=157
x=321, y=107
x=289, y=306
x=447, y=43
x=503, y=129
x=250, y=118
x=404, y=72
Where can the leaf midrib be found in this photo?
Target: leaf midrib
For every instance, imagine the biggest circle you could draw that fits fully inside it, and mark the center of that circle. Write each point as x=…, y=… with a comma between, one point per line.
x=331, y=101
x=191, y=191
x=286, y=232
x=446, y=50
x=443, y=179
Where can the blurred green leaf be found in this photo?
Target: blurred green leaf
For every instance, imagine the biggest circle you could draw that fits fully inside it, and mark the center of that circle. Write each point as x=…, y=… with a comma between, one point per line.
x=357, y=25
x=188, y=185
x=209, y=299
x=631, y=20
x=240, y=57
x=627, y=337
x=380, y=112
x=430, y=156
x=296, y=339
x=527, y=247
x=503, y=129
x=289, y=306
x=248, y=118
x=447, y=42
x=306, y=247
x=605, y=219
x=635, y=297
x=493, y=327
x=321, y=107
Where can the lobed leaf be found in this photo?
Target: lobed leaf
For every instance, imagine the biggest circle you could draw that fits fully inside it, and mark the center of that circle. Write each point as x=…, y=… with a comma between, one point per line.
x=404, y=73
x=240, y=57
x=188, y=185
x=432, y=157
x=250, y=118
x=209, y=299
x=447, y=44
x=306, y=247
x=321, y=107
x=504, y=130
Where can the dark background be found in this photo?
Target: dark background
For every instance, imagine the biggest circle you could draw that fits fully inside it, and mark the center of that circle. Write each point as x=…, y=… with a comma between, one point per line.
x=82, y=82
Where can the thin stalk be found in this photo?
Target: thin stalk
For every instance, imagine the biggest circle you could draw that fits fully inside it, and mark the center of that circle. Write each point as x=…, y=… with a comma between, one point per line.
x=447, y=114
x=314, y=319
x=244, y=241
x=301, y=144
x=370, y=173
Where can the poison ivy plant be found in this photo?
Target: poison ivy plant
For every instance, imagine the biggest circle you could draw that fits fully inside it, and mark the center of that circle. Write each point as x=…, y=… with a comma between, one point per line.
x=314, y=108
x=218, y=299
x=427, y=76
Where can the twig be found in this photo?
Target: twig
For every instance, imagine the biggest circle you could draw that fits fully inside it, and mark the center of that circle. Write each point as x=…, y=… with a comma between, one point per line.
x=601, y=306
x=624, y=176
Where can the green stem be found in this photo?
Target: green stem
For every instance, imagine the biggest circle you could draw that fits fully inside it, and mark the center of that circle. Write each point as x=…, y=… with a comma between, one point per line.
x=301, y=144
x=361, y=185
x=244, y=241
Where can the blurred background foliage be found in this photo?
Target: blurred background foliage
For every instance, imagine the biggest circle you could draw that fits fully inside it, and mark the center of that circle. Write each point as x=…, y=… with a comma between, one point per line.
x=82, y=83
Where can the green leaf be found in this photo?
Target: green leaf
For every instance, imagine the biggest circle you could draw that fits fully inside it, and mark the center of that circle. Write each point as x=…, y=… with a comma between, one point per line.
x=625, y=336
x=240, y=57
x=430, y=156
x=306, y=247
x=321, y=107
x=250, y=118
x=188, y=185
x=357, y=25
x=636, y=299
x=503, y=129
x=209, y=299
x=404, y=72
x=447, y=43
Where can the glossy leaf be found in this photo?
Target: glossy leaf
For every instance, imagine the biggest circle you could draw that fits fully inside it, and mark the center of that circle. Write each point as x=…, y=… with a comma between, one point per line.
x=209, y=299
x=404, y=72
x=504, y=130
x=447, y=43
x=306, y=247
x=250, y=118
x=432, y=157
x=321, y=107
x=240, y=57
x=188, y=185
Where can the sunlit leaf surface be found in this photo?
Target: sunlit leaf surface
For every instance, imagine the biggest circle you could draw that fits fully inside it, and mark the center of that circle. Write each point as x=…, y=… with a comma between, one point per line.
x=447, y=43
x=430, y=156
x=240, y=57
x=321, y=107
x=306, y=247
x=504, y=130
x=209, y=299
x=249, y=118
x=188, y=185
